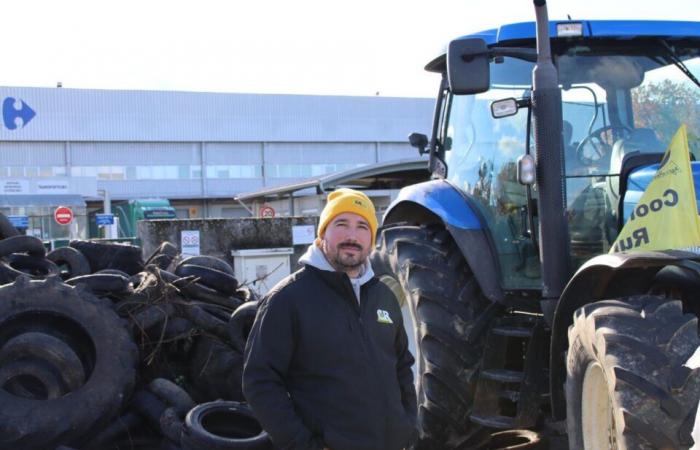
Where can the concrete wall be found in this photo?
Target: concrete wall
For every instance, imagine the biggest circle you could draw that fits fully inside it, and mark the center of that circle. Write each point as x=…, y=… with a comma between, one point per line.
x=219, y=236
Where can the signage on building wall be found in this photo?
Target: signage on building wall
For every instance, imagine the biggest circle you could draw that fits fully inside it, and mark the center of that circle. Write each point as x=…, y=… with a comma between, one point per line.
x=14, y=109
x=189, y=242
x=303, y=234
x=104, y=219
x=63, y=215
x=52, y=187
x=19, y=221
x=15, y=187
x=267, y=211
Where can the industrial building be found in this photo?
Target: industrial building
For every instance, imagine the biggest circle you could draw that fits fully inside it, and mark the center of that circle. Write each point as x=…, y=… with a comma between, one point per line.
x=73, y=147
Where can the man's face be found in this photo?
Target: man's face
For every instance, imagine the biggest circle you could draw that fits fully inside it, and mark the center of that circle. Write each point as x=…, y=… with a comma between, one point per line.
x=347, y=242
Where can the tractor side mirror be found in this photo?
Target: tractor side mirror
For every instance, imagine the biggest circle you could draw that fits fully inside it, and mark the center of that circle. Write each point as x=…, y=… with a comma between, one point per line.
x=419, y=141
x=468, y=66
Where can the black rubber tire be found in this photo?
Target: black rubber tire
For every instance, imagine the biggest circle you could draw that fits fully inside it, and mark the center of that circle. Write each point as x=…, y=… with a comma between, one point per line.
x=22, y=244
x=31, y=380
x=445, y=303
x=171, y=426
x=223, y=425
x=34, y=267
x=197, y=291
x=162, y=256
x=172, y=395
x=96, y=334
x=109, y=255
x=208, y=261
x=517, y=440
x=640, y=344
x=51, y=352
x=216, y=371
x=68, y=256
x=121, y=273
x=103, y=283
x=211, y=278
x=6, y=228
x=240, y=323
x=149, y=406
x=119, y=427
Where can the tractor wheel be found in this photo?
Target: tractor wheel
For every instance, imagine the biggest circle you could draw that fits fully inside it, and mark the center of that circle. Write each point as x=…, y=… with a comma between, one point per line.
x=444, y=302
x=627, y=386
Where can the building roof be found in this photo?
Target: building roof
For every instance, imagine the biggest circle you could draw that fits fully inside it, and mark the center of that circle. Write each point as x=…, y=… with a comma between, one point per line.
x=388, y=175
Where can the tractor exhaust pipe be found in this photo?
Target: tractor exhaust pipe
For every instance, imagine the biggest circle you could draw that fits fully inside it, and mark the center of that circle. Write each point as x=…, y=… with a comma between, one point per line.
x=549, y=144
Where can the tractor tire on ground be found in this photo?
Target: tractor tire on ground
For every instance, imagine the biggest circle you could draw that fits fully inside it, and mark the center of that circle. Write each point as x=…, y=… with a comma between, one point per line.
x=445, y=303
x=97, y=336
x=223, y=425
x=627, y=386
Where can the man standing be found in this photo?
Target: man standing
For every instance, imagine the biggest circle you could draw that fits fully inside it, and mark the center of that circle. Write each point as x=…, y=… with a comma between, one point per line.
x=327, y=362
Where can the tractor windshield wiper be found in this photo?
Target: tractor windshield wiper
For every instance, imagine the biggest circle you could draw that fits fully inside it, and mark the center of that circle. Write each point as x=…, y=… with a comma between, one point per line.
x=673, y=57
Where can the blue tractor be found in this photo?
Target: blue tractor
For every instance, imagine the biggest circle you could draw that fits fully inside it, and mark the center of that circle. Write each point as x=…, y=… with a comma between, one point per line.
x=543, y=137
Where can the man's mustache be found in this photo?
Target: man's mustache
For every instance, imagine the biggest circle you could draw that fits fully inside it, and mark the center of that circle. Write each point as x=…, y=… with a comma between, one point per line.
x=350, y=245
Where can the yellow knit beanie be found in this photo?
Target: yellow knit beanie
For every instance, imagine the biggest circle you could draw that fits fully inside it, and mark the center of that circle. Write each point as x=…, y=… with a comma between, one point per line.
x=348, y=200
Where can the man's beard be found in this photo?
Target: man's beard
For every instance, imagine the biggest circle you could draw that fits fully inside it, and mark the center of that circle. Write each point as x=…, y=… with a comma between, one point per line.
x=348, y=262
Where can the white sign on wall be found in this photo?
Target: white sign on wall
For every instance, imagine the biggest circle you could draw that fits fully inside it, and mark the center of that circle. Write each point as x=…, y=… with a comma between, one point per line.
x=303, y=234
x=10, y=187
x=52, y=187
x=189, y=242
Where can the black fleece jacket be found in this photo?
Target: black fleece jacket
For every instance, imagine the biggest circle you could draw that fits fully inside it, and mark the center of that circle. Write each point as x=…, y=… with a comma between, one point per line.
x=322, y=370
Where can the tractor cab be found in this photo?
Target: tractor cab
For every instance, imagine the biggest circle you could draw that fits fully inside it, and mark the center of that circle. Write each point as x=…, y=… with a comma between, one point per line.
x=626, y=87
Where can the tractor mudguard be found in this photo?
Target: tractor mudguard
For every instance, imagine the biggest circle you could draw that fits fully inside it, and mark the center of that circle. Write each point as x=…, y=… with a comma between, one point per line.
x=438, y=201
x=608, y=276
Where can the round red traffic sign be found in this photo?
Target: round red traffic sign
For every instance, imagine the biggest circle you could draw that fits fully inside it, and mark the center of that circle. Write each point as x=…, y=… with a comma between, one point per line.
x=267, y=211
x=63, y=215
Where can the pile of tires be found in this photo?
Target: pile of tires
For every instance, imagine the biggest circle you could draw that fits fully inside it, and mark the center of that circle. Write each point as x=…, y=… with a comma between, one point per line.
x=101, y=349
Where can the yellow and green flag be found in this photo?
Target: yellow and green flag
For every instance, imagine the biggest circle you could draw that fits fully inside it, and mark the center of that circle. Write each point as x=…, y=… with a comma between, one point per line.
x=666, y=217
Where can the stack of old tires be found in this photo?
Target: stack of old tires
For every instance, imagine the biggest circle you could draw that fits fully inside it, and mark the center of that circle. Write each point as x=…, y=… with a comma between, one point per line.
x=100, y=349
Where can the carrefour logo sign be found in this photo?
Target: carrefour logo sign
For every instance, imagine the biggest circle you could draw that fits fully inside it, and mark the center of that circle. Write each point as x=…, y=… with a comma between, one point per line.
x=13, y=109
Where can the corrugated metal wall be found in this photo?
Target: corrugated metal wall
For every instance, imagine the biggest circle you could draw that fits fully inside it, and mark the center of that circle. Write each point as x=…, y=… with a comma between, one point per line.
x=202, y=145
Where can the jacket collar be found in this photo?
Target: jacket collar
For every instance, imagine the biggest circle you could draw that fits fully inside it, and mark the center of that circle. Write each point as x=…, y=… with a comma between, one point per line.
x=314, y=257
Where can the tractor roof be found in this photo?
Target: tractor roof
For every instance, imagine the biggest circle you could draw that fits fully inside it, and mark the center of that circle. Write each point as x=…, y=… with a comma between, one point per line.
x=519, y=33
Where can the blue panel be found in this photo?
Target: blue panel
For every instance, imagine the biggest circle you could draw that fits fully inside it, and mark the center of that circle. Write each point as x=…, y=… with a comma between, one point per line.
x=640, y=178
x=596, y=28
x=442, y=199
x=19, y=221
x=104, y=219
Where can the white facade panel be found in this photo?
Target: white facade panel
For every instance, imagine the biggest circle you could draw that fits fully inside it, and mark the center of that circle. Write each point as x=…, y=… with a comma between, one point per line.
x=233, y=152
x=32, y=153
x=230, y=188
x=320, y=152
x=133, y=153
x=392, y=151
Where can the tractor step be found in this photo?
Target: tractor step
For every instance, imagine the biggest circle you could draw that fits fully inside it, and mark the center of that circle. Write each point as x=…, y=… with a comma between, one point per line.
x=513, y=375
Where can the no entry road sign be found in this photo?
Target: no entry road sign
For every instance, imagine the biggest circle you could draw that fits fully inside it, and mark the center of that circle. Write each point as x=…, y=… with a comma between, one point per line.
x=63, y=215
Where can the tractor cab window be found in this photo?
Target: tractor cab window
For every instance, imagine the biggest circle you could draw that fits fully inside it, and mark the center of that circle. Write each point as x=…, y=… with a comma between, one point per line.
x=618, y=101
x=481, y=154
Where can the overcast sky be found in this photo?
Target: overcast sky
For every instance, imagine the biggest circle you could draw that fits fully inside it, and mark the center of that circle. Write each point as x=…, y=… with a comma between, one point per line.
x=264, y=46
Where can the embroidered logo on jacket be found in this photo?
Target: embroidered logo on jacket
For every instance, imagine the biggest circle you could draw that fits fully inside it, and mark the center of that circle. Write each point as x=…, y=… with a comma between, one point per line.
x=383, y=316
